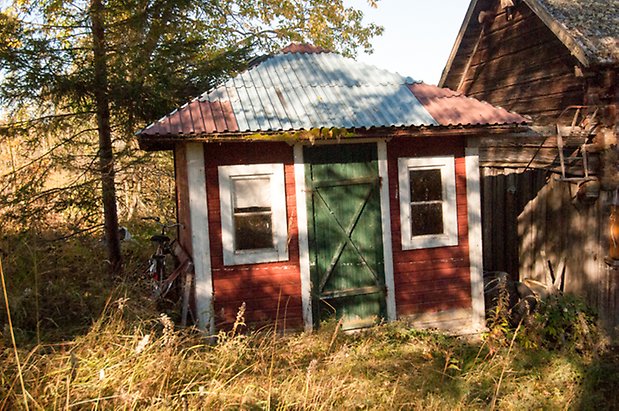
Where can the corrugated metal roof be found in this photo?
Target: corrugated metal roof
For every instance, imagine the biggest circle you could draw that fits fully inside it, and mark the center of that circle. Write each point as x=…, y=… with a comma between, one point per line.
x=309, y=88
x=451, y=108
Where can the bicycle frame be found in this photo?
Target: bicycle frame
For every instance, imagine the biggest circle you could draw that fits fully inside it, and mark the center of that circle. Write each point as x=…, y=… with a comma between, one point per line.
x=157, y=264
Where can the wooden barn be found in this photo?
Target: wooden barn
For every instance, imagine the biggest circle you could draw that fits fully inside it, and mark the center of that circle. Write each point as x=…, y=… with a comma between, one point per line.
x=549, y=197
x=312, y=185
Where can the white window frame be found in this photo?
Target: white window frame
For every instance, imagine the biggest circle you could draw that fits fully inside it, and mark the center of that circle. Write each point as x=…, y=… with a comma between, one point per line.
x=279, y=252
x=450, y=213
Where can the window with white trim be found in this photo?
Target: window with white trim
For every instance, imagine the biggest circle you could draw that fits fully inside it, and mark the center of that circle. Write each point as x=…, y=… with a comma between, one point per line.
x=253, y=213
x=428, y=213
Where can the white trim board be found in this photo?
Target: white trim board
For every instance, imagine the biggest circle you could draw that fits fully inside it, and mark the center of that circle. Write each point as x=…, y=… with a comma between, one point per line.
x=198, y=212
x=385, y=212
x=304, y=262
x=473, y=205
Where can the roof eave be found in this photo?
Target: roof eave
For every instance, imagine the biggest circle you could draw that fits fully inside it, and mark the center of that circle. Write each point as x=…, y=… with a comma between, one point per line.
x=454, y=50
x=167, y=142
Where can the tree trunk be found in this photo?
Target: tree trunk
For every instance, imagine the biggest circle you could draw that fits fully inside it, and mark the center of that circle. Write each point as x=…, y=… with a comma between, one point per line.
x=106, y=154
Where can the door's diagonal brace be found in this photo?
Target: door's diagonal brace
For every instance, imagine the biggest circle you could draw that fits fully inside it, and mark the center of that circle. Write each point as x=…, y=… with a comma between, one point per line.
x=347, y=238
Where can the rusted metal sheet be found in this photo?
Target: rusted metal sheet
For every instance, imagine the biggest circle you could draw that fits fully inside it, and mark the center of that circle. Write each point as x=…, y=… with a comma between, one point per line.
x=308, y=88
x=196, y=117
x=450, y=108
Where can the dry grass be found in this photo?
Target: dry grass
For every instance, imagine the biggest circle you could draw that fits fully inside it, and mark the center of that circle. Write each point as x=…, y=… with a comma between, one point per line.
x=148, y=364
x=81, y=346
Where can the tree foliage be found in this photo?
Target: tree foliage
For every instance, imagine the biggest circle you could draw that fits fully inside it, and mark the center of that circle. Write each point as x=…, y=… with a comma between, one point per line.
x=157, y=55
x=160, y=52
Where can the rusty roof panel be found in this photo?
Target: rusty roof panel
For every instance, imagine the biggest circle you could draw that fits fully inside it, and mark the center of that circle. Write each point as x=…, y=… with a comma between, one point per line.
x=303, y=91
x=196, y=117
x=450, y=108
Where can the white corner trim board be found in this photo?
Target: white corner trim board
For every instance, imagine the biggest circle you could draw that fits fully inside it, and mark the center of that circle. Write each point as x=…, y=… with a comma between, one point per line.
x=473, y=202
x=198, y=211
x=304, y=262
x=385, y=212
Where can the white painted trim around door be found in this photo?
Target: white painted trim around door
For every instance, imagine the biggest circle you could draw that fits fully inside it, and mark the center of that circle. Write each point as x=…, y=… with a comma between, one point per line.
x=473, y=204
x=304, y=262
x=385, y=212
x=198, y=211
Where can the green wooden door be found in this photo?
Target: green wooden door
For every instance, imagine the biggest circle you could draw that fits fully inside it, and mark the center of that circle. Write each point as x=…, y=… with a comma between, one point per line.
x=345, y=233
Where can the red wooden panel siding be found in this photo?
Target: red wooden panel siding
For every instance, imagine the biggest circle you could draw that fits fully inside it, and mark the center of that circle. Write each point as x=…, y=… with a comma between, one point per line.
x=269, y=290
x=432, y=279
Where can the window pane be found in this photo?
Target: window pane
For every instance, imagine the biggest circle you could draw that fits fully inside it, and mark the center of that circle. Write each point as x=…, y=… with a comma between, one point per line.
x=253, y=231
x=252, y=213
x=426, y=219
x=252, y=192
x=426, y=185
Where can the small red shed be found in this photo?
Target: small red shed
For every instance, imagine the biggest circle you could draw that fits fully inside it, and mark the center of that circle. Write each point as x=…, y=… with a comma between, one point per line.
x=312, y=185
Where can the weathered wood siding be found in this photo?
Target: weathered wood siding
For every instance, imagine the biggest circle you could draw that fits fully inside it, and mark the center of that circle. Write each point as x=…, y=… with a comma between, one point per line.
x=434, y=279
x=530, y=218
x=521, y=65
x=269, y=290
x=505, y=193
x=182, y=197
x=551, y=227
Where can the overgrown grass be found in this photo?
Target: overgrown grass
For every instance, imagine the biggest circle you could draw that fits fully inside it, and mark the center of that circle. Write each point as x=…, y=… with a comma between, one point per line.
x=118, y=352
x=122, y=362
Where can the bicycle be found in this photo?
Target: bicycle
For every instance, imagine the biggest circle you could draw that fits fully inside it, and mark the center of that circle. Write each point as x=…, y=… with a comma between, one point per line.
x=156, y=271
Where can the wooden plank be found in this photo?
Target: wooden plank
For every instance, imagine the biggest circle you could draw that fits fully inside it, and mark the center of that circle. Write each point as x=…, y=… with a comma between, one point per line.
x=433, y=279
x=410, y=264
x=473, y=200
x=200, y=237
x=385, y=207
x=304, y=261
x=182, y=196
x=497, y=46
x=487, y=206
x=525, y=190
x=349, y=292
x=546, y=105
x=542, y=82
x=519, y=90
x=498, y=222
x=529, y=140
x=521, y=38
x=511, y=229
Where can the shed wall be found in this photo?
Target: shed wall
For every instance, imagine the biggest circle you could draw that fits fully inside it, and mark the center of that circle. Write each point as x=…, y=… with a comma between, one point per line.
x=429, y=283
x=269, y=290
x=434, y=279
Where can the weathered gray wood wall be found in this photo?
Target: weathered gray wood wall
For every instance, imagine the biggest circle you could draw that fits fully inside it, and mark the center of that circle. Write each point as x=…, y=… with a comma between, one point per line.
x=530, y=218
